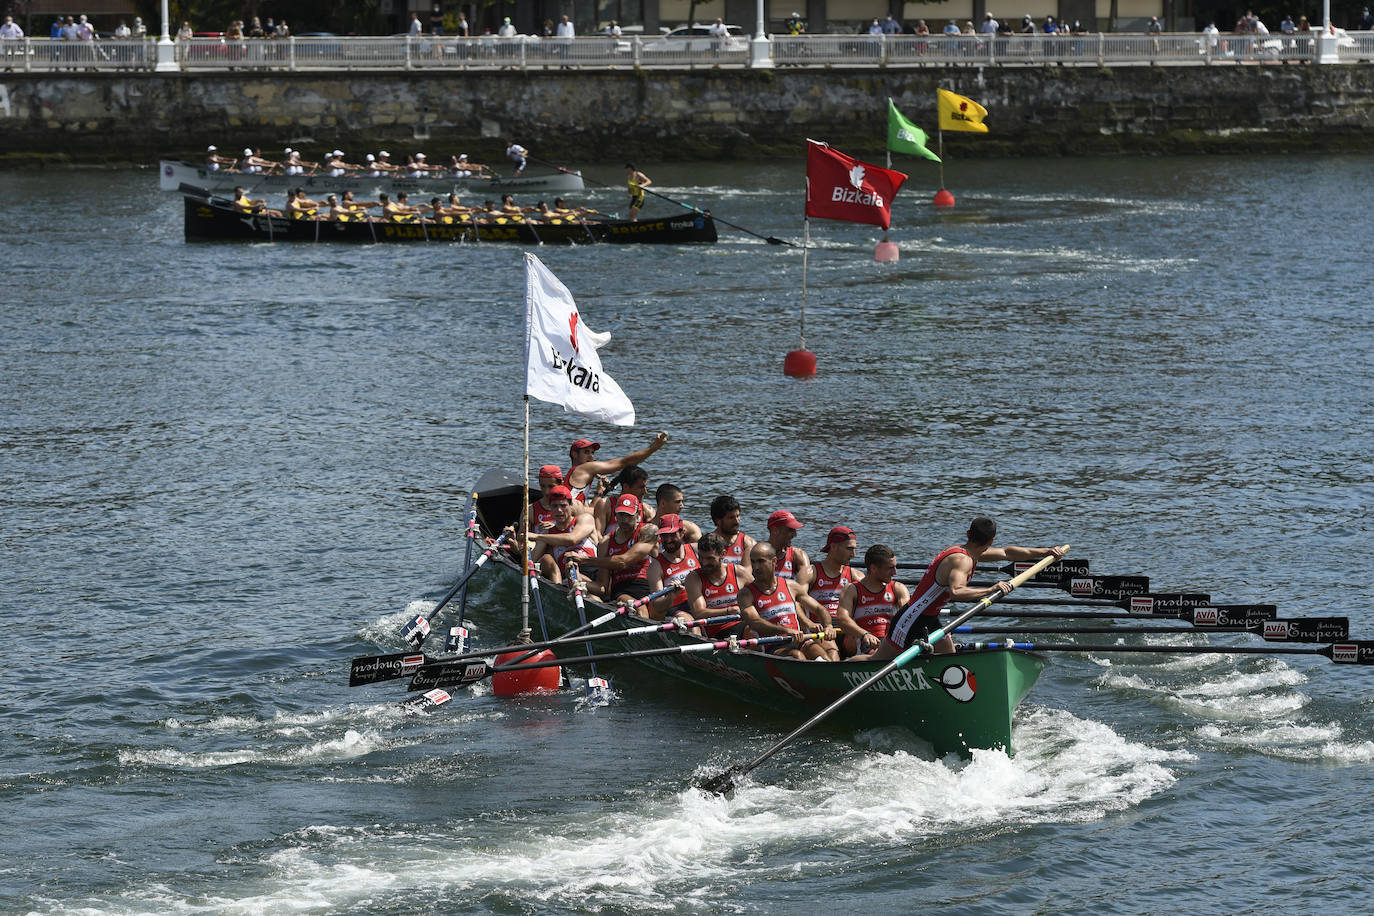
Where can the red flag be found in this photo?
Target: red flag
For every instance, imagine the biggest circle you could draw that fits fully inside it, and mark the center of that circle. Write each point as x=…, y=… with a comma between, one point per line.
x=842, y=187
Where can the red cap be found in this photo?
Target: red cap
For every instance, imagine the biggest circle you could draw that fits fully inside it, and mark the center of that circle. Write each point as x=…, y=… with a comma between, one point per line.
x=584, y=443
x=628, y=503
x=669, y=524
x=551, y=470
x=783, y=517
x=837, y=534
x=559, y=492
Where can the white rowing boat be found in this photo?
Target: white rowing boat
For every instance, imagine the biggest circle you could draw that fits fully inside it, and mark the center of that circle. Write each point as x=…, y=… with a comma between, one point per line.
x=173, y=173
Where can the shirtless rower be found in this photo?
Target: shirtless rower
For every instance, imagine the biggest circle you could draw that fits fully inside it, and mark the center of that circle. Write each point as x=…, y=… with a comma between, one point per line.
x=833, y=572
x=470, y=169
x=585, y=470
x=773, y=606
x=569, y=538
x=676, y=558
x=624, y=556
x=336, y=165
x=725, y=513
x=713, y=589
x=634, y=481
x=214, y=161
x=792, y=562
x=947, y=578
x=868, y=605
x=669, y=500
x=400, y=210
x=357, y=208
x=384, y=164
x=255, y=163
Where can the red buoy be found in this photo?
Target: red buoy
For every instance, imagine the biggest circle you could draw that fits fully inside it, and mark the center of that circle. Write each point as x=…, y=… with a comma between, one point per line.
x=800, y=363
x=530, y=680
x=943, y=198
x=886, y=251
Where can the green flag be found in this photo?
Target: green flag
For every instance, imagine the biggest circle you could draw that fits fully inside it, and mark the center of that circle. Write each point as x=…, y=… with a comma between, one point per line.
x=905, y=137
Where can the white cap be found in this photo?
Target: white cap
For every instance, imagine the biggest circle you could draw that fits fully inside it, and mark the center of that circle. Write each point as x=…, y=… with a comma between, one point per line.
x=383, y=153
x=419, y=155
x=337, y=152
x=248, y=152
x=371, y=158
x=462, y=155
x=211, y=149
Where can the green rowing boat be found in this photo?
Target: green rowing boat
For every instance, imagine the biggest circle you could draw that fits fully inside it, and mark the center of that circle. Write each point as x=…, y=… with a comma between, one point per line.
x=957, y=703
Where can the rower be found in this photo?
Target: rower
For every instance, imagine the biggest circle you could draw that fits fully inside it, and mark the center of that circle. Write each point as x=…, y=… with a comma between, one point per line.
x=399, y=211
x=624, y=556
x=634, y=481
x=792, y=562
x=471, y=169
x=947, y=578
x=251, y=205
x=669, y=500
x=833, y=573
x=772, y=606
x=416, y=166
x=301, y=207
x=567, y=539
x=214, y=161
x=541, y=510
x=868, y=605
x=585, y=473
x=383, y=164
x=517, y=153
x=337, y=212
x=713, y=589
x=253, y=157
x=509, y=207
x=336, y=165
x=357, y=209
x=725, y=513
x=676, y=558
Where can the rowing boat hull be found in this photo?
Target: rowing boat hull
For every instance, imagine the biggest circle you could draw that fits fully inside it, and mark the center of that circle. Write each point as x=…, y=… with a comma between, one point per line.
x=172, y=174
x=212, y=220
x=956, y=703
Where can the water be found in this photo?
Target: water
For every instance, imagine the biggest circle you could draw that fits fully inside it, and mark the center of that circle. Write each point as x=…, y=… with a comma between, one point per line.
x=227, y=469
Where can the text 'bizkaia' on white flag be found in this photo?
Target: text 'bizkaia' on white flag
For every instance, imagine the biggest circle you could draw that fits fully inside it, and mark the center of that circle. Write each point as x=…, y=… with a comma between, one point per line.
x=561, y=362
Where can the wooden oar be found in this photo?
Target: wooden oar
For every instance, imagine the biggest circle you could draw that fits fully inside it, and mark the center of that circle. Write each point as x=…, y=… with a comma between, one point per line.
x=597, y=687
x=429, y=677
x=416, y=631
x=1298, y=629
x=1352, y=652
x=725, y=781
x=772, y=240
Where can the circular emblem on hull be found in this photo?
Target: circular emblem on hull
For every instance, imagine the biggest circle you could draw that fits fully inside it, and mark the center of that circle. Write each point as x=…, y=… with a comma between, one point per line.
x=959, y=683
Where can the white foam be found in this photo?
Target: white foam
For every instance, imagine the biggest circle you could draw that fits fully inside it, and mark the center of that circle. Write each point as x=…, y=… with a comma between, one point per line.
x=350, y=744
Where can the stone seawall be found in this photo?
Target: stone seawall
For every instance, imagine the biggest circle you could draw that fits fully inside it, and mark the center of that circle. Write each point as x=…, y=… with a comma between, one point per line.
x=701, y=114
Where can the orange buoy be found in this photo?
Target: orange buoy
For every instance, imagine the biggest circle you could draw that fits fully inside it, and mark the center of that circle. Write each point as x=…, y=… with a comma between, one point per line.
x=943, y=198
x=800, y=363
x=530, y=680
x=886, y=251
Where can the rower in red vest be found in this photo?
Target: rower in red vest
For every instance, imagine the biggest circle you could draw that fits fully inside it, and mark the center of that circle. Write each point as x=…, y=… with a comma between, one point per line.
x=676, y=558
x=725, y=513
x=583, y=475
x=772, y=606
x=792, y=562
x=634, y=481
x=570, y=538
x=625, y=555
x=833, y=573
x=868, y=605
x=713, y=590
x=947, y=578
x=541, y=512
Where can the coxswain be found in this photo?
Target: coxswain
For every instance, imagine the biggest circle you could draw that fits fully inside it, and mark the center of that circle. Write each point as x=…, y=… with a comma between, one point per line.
x=623, y=557
x=833, y=573
x=301, y=207
x=713, y=589
x=637, y=182
x=676, y=558
x=516, y=153
x=772, y=606
x=725, y=513
x=792, y=562
x=585, y=475
x=569, y=538
x=214, y=161
x=947, y=578
x=868, y=605
x=669, y=500
x=634, y=480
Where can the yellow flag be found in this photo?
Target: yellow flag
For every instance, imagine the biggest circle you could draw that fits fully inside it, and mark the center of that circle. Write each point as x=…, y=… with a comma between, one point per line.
x=959, y=113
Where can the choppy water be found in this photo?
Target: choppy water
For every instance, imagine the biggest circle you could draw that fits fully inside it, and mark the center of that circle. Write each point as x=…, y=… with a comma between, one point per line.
x=227, y=469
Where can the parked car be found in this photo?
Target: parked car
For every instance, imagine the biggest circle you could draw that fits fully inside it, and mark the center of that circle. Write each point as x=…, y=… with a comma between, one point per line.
x=698, y=38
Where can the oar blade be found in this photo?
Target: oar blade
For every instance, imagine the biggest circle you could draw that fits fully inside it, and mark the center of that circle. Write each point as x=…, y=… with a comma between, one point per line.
x=1233, y=615
x=372, y=669
x=1177, y=604
x=1112, y=587
x=1354, y=652
x=448, y=674
x=722, y=783
x=1306, y=629
x=1050, y=574
x=430, y=699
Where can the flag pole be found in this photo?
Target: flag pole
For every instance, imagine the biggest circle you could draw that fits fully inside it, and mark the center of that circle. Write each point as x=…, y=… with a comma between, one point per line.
x=525, y=558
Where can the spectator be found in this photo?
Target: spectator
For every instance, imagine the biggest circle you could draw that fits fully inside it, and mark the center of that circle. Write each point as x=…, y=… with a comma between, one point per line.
x=1366, y=21
x=184, y=33
x=795, y=24
x=1288, y=27
x=140, y=30
x=122, y=30
x=1027, y=25
x=464, y=30
x=1049, y=27
x=565, y=28
x=989, y=26
x=507, y=30
x=922, y=28
x=891, y=26
x=613, y=30
x=951, y=28
x=255, y=29
x=1153, y=27
x=436, y=20
x=968, y=28
x=55, y=30
x=875, y=28
x=416, y=27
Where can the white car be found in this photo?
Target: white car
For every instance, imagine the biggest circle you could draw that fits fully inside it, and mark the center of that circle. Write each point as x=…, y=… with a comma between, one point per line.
x=698, y=38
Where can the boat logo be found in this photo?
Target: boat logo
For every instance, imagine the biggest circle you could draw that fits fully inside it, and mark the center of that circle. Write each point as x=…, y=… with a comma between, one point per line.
x=1081, y=587
x=1345, y=652
x=1205, y=617
x=959, y=683
x=572, y=331
x=1276, y=629
x=856, y=176
x=168, y=171
x=1142, y=605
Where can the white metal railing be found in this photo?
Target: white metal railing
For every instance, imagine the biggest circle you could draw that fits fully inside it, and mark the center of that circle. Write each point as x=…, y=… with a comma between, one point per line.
x=328, y=53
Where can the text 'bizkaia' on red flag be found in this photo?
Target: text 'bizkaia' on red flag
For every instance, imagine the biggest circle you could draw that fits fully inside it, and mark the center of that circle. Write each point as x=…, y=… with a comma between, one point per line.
x=841, y=187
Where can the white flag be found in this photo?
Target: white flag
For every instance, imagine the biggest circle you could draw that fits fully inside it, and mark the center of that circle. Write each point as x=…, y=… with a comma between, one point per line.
x=561, y=362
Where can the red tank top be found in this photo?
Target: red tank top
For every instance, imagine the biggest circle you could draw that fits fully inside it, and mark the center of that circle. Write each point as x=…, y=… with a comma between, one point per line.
x=539, y=514
x=929, y=596
x=720, y=599
x=614, y=549
x=777, y=606
x=734, y=553
x=874, y=610
x=783, y=566
x=675, y=571
x=827, y=589
x=562, y=554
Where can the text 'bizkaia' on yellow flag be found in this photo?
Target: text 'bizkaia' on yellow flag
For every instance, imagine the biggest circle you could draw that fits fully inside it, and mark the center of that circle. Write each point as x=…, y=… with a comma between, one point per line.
x=959, y=113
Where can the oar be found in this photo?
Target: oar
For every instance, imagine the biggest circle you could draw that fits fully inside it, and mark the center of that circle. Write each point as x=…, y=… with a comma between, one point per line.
x=1298, y=629
x=772, y=240
x=1092, y=586
x=1160, y=603
x=1208, y=615
x=471, y=533
x=597, y=687
x=724, y=782
x=431, y=676
x=416, y=631
x=1049, y=574
x=604, y=618
x=1352, y=652
x=533, y=572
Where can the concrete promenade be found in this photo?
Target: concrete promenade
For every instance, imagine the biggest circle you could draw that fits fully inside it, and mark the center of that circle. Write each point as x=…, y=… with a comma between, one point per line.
x=681, y=115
